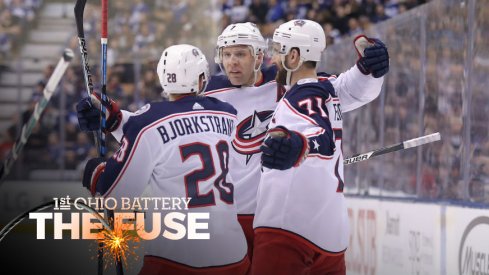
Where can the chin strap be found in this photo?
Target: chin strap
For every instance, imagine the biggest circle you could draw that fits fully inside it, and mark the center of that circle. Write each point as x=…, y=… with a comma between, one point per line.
x=290, y=71
x=255, y=69
x=255, y=72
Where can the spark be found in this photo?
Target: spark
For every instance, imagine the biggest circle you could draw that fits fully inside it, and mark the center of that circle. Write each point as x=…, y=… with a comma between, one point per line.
x=119, y=243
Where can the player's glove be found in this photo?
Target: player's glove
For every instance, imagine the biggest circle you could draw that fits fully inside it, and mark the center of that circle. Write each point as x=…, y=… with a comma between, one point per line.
x=88, y=112
x=283, y=149
x=373, y=56
x=93, y=169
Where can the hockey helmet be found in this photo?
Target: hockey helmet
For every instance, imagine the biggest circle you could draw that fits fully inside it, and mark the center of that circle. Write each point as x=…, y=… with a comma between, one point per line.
x=180, y=68
x=240, y=34
x=306, y=35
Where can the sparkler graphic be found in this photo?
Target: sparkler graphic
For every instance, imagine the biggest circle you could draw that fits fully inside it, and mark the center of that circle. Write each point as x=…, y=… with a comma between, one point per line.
x=119, y=244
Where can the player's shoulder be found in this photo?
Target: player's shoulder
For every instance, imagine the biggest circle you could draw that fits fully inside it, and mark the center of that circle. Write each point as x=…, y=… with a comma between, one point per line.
x=269, y=73
x=218, y=82
x=156, y=111
x=323, y=76
x=145, y=116
x=321, y=88
x=213, y=103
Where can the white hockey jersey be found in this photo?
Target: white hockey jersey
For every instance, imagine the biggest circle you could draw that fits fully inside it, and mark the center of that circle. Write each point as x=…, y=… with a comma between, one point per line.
x=255, y=106
x=307, y=201
x=181, y=149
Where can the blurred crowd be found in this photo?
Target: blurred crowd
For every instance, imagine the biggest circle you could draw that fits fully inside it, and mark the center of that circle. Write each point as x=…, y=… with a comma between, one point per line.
x=138, y=31
x=338, y=17
x=426, y=91
x=16, y=16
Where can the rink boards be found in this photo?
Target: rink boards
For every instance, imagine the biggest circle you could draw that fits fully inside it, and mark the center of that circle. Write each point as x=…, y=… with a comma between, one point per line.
x=410, y=237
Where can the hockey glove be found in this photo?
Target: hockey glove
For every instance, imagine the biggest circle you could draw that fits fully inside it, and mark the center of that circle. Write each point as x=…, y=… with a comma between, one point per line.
x=283, y=149
x=373, y=56
x=93, y=169
x=88, y=112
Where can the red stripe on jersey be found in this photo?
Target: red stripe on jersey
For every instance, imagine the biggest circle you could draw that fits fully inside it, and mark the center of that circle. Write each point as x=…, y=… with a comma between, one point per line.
x=254, y=139
x=319, y=132
x=138, y=138
x=247, y=149
x=153, y=264
x=299, y=238
x=322, y=78
x=287, y=103
x=246, y=145
x=219, y=91
x=319, y=156
x=260, y=81
x=341, y=132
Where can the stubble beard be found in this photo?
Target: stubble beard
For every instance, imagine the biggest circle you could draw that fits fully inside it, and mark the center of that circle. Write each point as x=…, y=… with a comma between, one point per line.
x=281, y=76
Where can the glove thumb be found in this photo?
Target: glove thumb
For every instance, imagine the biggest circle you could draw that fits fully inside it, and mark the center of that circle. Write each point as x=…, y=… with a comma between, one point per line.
x=362, y=42
x=95, y=99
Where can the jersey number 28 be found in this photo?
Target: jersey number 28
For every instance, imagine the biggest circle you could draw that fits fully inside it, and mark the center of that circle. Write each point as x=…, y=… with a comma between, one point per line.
x=206, y=172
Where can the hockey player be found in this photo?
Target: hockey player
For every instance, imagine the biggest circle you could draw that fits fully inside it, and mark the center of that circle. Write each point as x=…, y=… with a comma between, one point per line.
x=179, y=148
x=253, y=91
x=301, y=222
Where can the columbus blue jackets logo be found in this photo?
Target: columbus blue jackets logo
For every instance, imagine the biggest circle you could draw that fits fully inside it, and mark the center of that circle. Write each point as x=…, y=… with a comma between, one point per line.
x=251, y=132
x=299, y=23
x=143, y=109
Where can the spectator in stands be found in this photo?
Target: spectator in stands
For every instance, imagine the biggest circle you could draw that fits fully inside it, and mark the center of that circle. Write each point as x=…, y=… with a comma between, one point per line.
x=258, y=11
x=276, y=11
x=10, y=28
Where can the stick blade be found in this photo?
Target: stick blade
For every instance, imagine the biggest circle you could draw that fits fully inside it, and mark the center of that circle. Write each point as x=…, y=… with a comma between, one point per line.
x=422, y=140
x=79, y=10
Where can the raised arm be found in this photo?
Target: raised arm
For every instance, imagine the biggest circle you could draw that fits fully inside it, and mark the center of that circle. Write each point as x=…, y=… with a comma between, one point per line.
x=362, y=83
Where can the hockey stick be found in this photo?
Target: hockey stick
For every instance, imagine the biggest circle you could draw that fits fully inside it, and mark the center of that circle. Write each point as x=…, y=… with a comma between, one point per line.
x=36, y=115
x=14, y=222
x=104, y=101
x=79, y=10
x=415, y=142
x=103, y=94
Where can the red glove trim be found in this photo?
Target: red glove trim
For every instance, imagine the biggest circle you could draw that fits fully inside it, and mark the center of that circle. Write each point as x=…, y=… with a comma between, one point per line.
x=304, y=151
x=95, y=176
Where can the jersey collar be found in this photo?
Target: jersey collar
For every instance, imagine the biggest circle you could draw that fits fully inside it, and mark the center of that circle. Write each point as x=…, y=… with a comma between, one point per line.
x=307, y=80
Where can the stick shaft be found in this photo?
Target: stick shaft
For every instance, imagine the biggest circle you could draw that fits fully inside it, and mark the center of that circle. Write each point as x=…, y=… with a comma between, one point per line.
x=14, y=222
x=79, y=10
x=103, y=42
x=26, y=131
x=393, y=148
